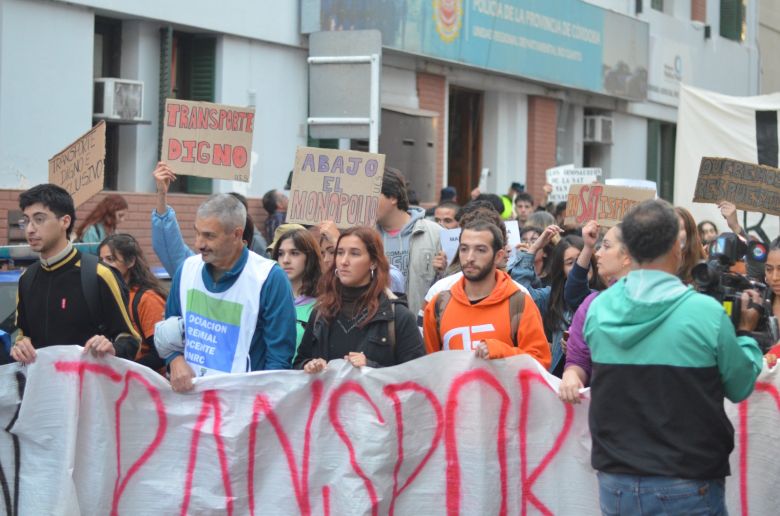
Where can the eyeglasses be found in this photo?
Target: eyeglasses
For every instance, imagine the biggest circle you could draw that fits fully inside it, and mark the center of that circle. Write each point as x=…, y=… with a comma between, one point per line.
x=38, y=220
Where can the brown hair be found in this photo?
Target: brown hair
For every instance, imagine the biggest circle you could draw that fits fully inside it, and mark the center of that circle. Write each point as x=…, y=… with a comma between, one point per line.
x=693, y=252
x=139, y=274
x=330, y=300
x=307, y=244
x=105, y=213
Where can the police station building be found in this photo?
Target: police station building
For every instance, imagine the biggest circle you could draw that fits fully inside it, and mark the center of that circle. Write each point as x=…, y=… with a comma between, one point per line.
x=498, y=90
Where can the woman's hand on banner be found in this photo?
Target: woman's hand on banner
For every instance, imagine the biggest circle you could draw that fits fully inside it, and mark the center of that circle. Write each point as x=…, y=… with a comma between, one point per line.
x=315, y=365
x=356, y=359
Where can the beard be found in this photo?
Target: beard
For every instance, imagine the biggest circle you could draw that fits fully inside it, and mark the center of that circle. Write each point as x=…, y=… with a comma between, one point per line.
x=480, y=273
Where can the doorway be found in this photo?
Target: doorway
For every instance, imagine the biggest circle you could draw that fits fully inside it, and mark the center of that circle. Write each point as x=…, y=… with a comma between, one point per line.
x=465, y=140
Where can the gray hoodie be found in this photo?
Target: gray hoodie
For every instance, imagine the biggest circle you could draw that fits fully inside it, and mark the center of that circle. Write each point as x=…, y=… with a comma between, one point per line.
x=411, y=250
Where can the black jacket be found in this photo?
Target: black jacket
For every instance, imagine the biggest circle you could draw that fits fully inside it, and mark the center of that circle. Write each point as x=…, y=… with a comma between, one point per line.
x=377, y=348
x=56, y=312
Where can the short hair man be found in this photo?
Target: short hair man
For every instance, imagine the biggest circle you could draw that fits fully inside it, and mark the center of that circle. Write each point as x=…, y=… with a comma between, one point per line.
x=485, y=311
x=275, y=204
x=524, y=206
x=444, y=215
x=664, y=356
x=410, y=241
x=236, y=306
x=52, y=306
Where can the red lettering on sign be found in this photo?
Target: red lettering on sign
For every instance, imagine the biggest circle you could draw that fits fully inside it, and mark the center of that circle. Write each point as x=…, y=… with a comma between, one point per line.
x=300, y=483
x=391, y=391
x=743, y=441
x=162, y=425
x=527, y=481
x=210, y=404
x=82, y=367
x=451, y=447
x=333, y=414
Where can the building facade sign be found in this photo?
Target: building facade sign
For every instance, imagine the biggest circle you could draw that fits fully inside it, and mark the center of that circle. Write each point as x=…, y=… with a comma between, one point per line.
x=670, y=66
x=567, y=42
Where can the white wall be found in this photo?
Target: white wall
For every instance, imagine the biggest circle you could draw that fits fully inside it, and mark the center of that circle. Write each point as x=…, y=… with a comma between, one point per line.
x=138, y=143
x=279, y=79
x=399, y=88
x=504, y=139
x=629, y=150
x=46, y=85
x=270, y=20
x=769, y=42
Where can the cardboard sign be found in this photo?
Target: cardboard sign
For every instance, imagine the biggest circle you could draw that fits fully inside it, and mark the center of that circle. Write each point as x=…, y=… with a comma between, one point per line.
x=208, y=140
x=561, y=178
x=512, y=235
x=80, y=168
x=605, y=204
x=338, y=185
x=748, y=186
x=450, y=240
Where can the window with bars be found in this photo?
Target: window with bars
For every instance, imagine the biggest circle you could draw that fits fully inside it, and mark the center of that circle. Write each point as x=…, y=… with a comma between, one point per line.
x=192, y=71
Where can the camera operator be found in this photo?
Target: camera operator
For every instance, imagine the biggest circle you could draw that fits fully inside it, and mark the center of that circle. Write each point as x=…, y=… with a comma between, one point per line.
x=664, y=357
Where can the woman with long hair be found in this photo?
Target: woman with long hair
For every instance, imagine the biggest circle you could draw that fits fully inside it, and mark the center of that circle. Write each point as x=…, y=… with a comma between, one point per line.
x=692, y=251
x=708, y=231
x=146, y=304
x=298, y=254
x=103, y=220
x=614, y=263
x=356, y=317
x=556, y=314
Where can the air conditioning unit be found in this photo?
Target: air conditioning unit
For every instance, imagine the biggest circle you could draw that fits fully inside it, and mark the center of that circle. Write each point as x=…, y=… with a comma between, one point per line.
x=119, y=100
x=598, y=129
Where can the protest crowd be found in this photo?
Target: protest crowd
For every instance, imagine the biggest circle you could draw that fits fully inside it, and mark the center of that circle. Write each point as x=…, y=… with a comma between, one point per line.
x=626, y=309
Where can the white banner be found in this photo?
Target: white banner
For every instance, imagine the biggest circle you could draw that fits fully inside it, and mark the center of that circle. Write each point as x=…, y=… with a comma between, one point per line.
x=445, y=434
x=716, y=125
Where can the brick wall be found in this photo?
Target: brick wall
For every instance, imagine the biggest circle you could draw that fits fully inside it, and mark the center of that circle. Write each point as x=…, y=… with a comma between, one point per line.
x=699, y=10
x=542, y=132
x=432, y=93
x=138, y=222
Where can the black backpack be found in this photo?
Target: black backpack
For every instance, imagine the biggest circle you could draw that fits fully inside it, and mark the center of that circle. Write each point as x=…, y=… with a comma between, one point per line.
x=89, y=286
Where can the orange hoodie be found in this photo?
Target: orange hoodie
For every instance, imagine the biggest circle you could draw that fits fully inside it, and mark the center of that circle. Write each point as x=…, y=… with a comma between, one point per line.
x=463, y=325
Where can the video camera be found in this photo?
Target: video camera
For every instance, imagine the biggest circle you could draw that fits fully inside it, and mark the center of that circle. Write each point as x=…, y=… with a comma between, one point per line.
x=715, y=278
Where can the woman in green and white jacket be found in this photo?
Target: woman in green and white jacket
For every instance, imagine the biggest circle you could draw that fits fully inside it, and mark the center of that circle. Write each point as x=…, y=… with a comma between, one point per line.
x=298, y=254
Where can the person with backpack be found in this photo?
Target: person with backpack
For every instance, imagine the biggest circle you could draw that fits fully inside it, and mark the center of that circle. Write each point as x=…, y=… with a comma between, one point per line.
x=356, y=316
x=485, y=311
x=146, y=295
x=67, y=297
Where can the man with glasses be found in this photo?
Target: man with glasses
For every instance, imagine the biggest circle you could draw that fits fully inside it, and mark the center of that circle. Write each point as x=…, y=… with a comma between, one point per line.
x=52, y=307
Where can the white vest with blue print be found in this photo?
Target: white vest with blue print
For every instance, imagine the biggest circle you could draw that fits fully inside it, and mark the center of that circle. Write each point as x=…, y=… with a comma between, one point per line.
x=218, y=327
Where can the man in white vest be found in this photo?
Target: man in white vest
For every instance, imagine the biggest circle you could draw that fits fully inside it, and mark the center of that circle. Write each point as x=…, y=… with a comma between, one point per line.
x=236, y=307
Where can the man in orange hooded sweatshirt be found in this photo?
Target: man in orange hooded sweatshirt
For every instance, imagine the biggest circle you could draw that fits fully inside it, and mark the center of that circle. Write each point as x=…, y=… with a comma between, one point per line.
x=485, y=311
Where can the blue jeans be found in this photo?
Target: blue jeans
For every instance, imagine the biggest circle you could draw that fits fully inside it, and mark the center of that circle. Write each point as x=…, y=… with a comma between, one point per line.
x=636, y=495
